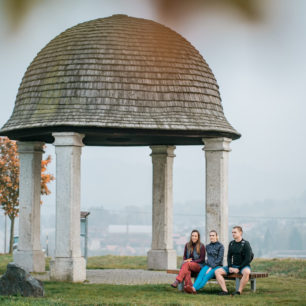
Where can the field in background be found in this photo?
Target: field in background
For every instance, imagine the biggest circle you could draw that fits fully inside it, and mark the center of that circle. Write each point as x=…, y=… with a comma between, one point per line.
x=279, y=267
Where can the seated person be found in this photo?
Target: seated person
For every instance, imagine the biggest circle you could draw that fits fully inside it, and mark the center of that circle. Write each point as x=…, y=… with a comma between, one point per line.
x=215, y=253
x=194, y=259
x=239, y=257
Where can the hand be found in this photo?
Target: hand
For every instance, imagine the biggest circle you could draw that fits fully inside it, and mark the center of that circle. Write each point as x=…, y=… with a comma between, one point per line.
x=208, y=270
x=233, y=270
x=188, y=260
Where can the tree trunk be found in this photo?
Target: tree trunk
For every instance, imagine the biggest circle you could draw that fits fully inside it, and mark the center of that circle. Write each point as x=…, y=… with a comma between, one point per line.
x=12, y=218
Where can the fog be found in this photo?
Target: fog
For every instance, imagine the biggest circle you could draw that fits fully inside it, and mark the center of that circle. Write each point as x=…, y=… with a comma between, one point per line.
x=261, y=70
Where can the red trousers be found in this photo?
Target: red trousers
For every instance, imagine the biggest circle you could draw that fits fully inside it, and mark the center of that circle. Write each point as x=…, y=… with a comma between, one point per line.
x=185, y=272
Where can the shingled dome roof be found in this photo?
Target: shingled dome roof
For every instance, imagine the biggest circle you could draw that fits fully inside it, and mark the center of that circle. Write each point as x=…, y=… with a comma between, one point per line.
x=121, y=81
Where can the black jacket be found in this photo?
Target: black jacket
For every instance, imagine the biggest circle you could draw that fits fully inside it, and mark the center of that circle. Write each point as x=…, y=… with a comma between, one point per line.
x=239, y=254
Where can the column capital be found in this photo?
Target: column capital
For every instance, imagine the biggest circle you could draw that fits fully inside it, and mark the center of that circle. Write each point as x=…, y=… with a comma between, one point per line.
x=217, y=144
x=30, y=147
x=68, y=139
x=163, y=150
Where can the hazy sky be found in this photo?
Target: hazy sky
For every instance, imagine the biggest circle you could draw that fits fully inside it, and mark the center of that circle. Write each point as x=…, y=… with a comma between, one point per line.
x=261, y=70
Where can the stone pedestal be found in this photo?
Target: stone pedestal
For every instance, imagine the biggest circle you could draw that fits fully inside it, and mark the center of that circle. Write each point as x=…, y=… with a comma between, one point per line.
x=68, y=264
x=29, y=254
x=162, y=256
x=162, y=259
x=216, y=155
x=68, y=269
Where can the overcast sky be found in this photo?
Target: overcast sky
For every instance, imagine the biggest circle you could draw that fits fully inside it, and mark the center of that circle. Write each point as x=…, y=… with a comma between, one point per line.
x=261, y=70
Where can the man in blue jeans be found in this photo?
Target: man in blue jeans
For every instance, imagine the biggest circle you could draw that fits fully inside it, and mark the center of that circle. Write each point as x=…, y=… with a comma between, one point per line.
x=239, y=257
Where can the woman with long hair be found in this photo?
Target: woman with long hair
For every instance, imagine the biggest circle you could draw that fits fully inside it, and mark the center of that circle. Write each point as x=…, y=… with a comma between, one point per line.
x=194, y=259
x=215, y=252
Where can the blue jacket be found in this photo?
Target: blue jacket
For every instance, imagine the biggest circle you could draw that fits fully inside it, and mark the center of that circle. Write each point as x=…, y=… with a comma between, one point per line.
x=215, y=253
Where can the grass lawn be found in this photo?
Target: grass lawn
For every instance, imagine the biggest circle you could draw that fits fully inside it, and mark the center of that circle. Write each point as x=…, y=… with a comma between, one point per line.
x=117, y=262
x=285, y=286
x=271, y=291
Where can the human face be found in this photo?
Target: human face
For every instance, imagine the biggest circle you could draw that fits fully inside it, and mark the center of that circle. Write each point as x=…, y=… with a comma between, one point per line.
x=213, y=237
x=194, y=237
x=237, y=235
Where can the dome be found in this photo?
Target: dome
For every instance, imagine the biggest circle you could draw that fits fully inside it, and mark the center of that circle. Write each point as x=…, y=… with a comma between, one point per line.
x=121, y=81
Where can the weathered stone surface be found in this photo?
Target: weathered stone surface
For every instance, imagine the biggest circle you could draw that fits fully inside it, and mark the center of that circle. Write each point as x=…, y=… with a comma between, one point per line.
x=29, y=254
x=162, y=256
x=216, y=155
x=17, y=281
x=68, y=264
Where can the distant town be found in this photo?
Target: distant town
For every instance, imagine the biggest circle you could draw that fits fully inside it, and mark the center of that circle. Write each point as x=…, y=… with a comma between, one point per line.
x=273, y=232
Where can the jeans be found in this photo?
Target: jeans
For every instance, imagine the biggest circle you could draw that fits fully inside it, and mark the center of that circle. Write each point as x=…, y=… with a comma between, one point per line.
x=226, y=269
x=204, y=277
x=185, y=272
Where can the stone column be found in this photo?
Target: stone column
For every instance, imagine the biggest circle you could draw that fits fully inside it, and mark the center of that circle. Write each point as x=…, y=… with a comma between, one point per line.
x=29, y=254
x=216, y=155
x=162, y=256
x=68, y=264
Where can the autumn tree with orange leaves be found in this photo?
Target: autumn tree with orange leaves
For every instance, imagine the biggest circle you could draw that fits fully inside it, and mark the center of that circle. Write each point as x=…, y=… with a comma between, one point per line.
x=9, y=181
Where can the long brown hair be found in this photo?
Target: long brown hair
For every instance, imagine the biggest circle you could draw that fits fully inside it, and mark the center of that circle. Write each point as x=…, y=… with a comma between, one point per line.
x=198, y=243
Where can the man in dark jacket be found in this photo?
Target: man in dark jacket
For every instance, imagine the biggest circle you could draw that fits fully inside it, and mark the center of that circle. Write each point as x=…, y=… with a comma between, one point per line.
x=239, y=257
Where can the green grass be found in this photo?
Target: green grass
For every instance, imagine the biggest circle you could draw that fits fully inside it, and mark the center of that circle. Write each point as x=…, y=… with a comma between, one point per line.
x=271, y=291
x=286, y=267
x=285, y=286
x=4, y=260
x=97, y=262
x=120, y=262
x=281, y=267
x=117, y=262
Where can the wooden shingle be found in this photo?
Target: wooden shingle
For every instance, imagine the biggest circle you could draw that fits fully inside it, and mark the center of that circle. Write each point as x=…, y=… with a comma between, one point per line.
x=118, y=73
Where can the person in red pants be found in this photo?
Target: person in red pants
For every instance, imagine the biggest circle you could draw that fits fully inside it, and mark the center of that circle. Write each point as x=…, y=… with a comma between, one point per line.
x=194, y=259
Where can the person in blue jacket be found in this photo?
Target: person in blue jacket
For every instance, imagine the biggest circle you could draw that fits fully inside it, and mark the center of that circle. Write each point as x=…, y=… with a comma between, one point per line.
x=215, y=253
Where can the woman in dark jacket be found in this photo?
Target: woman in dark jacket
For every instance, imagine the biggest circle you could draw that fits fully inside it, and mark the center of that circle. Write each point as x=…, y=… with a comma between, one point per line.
x=194, y=259
x=215, y=252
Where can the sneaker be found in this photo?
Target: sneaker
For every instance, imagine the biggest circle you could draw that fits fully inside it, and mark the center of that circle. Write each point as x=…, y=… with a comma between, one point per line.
x=236, y=293
x=223, y=293
x=175, y=284
x=190, y=289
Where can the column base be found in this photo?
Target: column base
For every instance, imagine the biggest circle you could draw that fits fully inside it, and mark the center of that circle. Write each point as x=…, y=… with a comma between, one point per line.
x=162, y=259
x=31, y=261
x=68, y=269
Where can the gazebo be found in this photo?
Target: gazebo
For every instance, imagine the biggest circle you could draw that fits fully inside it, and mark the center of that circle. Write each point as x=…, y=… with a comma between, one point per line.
x=116, y=81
